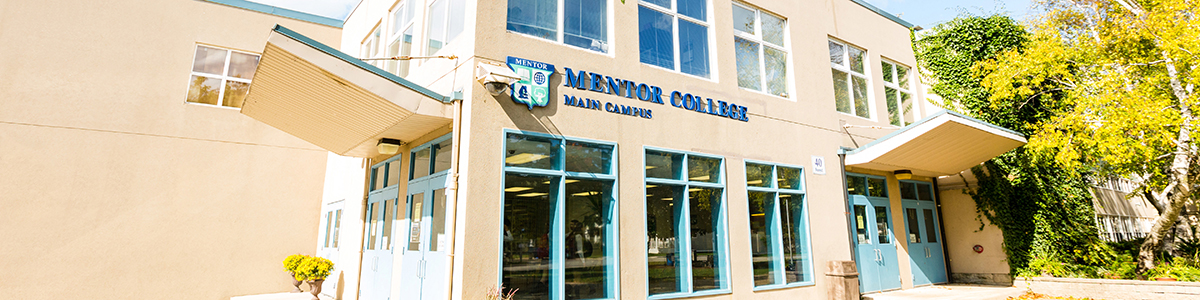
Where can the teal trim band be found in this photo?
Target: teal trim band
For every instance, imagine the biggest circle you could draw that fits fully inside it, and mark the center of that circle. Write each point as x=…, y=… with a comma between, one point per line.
x=361, y=64
x=922, y=121
x=884, y=13
x=279, y=11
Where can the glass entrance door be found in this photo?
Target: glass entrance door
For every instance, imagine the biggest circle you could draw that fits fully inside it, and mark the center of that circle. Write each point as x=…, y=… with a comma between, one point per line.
x=423, y=265
x=924, y=243
x=876, y=249
x=375, y=279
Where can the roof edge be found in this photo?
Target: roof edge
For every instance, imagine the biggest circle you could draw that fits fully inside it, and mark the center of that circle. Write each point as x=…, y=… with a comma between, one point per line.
x=927, y=119
x=280, y=12
x=885, y=14
x=362, y=65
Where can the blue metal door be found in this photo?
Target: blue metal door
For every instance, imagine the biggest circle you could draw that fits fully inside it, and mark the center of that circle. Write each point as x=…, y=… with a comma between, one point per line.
x=423, y=274
x=380, y=220
x=875, y=252
x=924, y=240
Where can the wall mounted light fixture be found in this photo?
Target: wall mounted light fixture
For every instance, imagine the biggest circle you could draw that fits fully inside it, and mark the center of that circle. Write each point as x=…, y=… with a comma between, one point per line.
x=903, y=174
x=388, y=146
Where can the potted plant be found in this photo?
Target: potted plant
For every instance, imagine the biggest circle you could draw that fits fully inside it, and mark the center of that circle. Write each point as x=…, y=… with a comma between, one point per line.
x=314, y=270
x=290, y=264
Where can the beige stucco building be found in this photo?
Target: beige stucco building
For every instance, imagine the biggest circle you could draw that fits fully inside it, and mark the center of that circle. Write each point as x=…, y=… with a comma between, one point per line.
x=114, y=185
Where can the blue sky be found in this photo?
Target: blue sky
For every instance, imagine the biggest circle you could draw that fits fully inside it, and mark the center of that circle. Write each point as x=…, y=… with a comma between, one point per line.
x=924, y=13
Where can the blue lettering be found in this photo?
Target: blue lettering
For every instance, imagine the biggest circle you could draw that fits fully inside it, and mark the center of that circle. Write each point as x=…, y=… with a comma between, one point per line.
x=629, y=87
x=643, y=92
x=608, y=106
x=576, y=81
x=687, y=102
x=624, y=110
x=649, y=114
x=712, y=108
x=597, y=83
x=676, y=95
x=742, y=113
x=613, y=85
x=723, y=108
x=569, y=100
x=657, y=94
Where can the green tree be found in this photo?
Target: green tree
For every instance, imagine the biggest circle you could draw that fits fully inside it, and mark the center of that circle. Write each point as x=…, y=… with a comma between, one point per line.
x=1126, y=71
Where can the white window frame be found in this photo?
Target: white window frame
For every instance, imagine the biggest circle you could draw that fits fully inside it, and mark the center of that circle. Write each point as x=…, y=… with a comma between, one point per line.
x=757, y=37
x=445, y=26
x=845, y=67
x=670, y=11
x=895, y=84
x=606, y=49
x=396, y=33
x=222, y=76
x=369, y=48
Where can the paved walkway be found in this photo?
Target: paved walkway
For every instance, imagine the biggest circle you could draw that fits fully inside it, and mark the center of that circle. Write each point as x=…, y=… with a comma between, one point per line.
x=950, y=291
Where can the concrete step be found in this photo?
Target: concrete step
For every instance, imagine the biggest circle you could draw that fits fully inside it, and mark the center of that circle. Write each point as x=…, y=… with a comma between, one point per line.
x=281, y=296
x=949, y=292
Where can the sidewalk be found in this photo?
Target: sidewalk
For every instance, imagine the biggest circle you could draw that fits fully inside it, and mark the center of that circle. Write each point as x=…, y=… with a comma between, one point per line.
x=950, y=291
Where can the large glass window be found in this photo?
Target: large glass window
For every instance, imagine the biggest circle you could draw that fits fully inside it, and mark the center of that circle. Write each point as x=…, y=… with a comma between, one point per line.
x=559, y=218
x=584, y=23
x=446, y=19
x=761, y=54
x=401, y=37
x=430, y=159
x=899, y=98
x=385, y=174
x=221, y=76
x=674, y=34
x=778, y=225
x=850, y=82
x=685, y=223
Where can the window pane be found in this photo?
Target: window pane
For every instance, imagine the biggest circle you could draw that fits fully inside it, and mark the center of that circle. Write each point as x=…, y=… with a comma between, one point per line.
x=204, y=90
x=664, y=205
x=924, y=192
x=531, y=152
x=534, y=17
x=693, y=48
x=374, y=222
x=743, y=19
x=902, y=76
x=861, y=107
x=914, y=233
x=663, y=3
x=887, y=72
x=456, y=16
x=585, y=24
x=772, y=29
x=930, y=229
x=693, y=8
x=589, y=204
x=747, y=64
x=704, y=169
x=856, y=60
x=420, y=164
x=405, y=49
x=795, y=238
x=209, y=60
x=393, y=172
x=893, y=106
x=762, y=206
x=436, y=27
x=242, y=65
x=655, y=38
x=664, y=165
x=378, y=175
x=789, y=178
x=837, y=53
x=906, y=107
x=841, y=91
x=882, y=225
x=328, y=227
x=856, y=185
x=528, y=207
x=337, y=226
x=908, y=191
x=442, y=156
x=758, y=175
x=588, y=158
x=860, y=224
x=876, y=187
x=705, y=213
x=416, y=212
x=398, y=18
x=776, y=63
x=437, y=220
x=389, y=212
x=235, y=93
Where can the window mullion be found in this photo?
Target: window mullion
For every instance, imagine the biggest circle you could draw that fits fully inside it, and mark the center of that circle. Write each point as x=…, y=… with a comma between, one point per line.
x=777, y=231
x=558, y=237
x=685, y=242
x=675, y=43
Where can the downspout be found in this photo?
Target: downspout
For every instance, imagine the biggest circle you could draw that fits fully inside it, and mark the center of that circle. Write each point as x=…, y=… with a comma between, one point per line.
x=452, y=195
x=937, y=204
x=849, y=210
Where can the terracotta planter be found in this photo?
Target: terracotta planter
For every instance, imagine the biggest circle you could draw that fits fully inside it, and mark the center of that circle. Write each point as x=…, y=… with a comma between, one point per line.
x=1165, y=279
x=315, y=287
x=295, y=283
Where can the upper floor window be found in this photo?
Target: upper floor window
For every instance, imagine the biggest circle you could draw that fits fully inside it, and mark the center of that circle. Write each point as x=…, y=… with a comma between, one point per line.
x=686, y=232
x=899, y=97
x=674, y=34
x=370, y=47
x=401, y=38
x=761, y=55
x=584, y=23
x=221, y=76
x=446, y=19
x=849, y=78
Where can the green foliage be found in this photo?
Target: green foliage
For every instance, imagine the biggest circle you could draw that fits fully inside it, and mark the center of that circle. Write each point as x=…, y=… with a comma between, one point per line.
x=292, y=261
x=1179, y=268
x=313, y=268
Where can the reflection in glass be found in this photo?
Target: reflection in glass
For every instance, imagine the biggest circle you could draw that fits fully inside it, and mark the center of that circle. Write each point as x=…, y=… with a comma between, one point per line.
x=881, y=223
x=204, y=90
x=328, y=227
x=337, y=225
x=437, y=220
x=693, y=48
x=377, y=177
x=761, y=249
x=772, y=29
x=374, y=222
x=861, y=105
x=235, y=93
x=758, y=175
x=389, y=210
x=860, y=224
x=705, y=212
x=693, y=8
x=747, y=63
x=893, y=106
x=588, y=211
x=902, y=76
x=795, y=237
x=789, y=178
x=393, y=172
x=420, y=164
x=242, y=65
x=663, y=204
x=930, y=229
x=441, y=156
x=704, y=169
x=914, y=232
x=209, y=60
x=841, y=91
x=908, y=191
x=664, y=165
x=586, y=24
x=588, y=158
x=856, y=60
x=743, y=19
x=876, y=187
x=656, y=38
x=856, y=185
x=924, y=192
x=437, y=27
x=837, y=53
x=887, y=72
x=416, y=213
x=531, y=152
x=776, y=65
x=534, y=17
x=528, y=208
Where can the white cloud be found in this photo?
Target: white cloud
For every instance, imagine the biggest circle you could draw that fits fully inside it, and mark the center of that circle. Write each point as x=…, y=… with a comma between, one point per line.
x=337, y=9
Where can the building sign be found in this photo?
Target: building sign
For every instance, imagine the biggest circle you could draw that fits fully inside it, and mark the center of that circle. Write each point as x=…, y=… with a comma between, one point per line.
x=534, y=87
x=818, y=165
x=594, y=82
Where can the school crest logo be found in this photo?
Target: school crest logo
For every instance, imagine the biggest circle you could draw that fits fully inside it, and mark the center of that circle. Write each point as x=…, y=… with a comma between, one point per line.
x=534, y=87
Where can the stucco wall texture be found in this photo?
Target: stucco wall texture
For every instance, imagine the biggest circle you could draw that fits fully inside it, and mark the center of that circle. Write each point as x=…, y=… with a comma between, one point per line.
x=112, y=186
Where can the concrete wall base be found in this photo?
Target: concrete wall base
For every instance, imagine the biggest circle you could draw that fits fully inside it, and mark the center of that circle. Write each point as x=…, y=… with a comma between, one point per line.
x=843, y=280
x=1111, y=288
x=982, y=278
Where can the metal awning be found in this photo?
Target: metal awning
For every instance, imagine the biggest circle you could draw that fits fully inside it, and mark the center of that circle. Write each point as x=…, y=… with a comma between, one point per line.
x=942, y=144
x=335, y=101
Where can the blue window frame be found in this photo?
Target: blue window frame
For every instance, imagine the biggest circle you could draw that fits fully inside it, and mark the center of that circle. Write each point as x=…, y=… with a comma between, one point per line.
x=560, y=217
x=676, y=34
x=584, y=23
x=686, y=232
x=779, y=237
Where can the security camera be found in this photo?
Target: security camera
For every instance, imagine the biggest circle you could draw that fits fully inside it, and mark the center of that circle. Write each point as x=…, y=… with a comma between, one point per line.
x=495, y=78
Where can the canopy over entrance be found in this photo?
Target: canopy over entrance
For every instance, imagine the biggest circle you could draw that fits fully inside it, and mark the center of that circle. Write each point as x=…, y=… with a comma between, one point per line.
x=336, y=101
x=942, y=144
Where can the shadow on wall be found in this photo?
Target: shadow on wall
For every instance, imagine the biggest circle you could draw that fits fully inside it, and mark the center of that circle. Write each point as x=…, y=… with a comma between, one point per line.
x=537, y=119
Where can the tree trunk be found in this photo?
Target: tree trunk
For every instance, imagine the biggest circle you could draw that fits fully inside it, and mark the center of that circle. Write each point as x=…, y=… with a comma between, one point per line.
x=1178, y=196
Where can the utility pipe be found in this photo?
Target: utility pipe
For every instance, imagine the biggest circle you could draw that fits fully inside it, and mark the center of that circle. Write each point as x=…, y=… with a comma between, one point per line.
x=452, y=196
